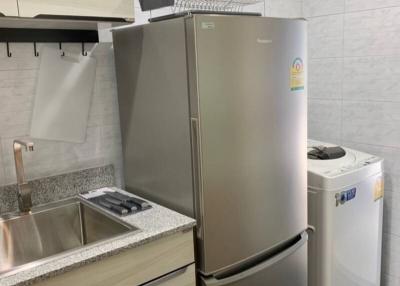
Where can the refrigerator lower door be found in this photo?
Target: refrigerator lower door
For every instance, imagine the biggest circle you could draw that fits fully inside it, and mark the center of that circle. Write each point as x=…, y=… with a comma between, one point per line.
x=289, y=268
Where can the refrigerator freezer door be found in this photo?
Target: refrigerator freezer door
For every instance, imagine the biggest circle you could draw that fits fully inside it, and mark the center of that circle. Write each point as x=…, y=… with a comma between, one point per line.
x=252, y=130
x=288, y=268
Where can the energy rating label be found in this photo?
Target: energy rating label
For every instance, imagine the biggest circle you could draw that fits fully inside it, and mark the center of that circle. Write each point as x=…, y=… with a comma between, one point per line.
x=297, y=75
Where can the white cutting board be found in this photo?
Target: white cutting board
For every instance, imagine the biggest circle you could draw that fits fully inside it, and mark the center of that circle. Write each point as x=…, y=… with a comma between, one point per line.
x=63, y=96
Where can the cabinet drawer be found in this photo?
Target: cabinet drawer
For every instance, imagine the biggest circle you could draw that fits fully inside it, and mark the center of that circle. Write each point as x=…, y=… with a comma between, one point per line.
x=182, y=277
x=133, y=267
x=8, y=8
x=79, y=8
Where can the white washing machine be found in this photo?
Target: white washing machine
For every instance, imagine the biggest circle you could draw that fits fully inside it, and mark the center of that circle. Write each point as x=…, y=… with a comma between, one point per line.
x=345, y=196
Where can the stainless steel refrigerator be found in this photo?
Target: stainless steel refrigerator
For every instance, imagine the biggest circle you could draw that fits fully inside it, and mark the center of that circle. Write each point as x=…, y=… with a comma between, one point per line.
x=213, y=119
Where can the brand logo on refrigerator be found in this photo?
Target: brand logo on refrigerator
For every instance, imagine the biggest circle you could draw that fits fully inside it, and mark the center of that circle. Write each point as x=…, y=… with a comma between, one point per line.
x=263, y=41
x=208, y=25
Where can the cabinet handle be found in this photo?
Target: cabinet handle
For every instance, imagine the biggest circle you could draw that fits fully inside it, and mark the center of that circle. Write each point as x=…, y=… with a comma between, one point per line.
x=167, y=277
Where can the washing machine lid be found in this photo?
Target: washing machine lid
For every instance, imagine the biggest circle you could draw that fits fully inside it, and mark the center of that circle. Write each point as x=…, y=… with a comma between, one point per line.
x=335, y=174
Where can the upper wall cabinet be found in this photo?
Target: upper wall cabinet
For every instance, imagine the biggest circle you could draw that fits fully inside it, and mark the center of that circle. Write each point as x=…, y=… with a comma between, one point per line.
x=8, y=8
x=96, y=9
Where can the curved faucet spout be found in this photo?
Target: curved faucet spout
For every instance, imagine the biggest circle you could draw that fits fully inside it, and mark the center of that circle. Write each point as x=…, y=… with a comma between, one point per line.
x=24, y=191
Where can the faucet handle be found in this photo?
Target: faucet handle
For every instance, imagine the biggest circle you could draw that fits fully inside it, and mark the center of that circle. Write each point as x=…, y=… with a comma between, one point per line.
x=29, y=146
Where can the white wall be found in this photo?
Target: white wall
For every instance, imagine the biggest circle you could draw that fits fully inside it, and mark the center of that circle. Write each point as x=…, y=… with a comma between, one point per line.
x=18, y=76
x=354, y=93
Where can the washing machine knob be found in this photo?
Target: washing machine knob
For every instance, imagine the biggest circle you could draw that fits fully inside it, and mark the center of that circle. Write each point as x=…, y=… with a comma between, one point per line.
x=343, y=198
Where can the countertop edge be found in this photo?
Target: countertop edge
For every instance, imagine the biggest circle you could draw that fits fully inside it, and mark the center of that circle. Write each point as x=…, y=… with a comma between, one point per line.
x=184, y=224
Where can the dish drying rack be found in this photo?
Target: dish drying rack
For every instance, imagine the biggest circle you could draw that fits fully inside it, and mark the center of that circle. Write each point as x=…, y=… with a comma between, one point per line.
x=213, y=5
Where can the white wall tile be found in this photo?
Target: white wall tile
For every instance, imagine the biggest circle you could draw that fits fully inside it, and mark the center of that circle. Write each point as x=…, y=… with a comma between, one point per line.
x=325, y=36
x=390, y=253
x=312, y=8
x=390, y=259
x=256, y=8
x=372, y=78
x=359, y=5
x=17, y=63
x=325, y=78
x=324, y=119
x=286, y=8
x=376, y=122
x=372, y=33
x=267, y=7
x=15, y=103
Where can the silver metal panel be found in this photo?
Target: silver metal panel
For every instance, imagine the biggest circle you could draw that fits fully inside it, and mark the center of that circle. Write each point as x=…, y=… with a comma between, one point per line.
x=154, y=112
x=252, y=131
x=288, y=268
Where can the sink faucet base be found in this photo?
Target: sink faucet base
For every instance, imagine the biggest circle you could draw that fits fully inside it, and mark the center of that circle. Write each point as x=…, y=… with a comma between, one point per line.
x=24, y=190
x=24, y=198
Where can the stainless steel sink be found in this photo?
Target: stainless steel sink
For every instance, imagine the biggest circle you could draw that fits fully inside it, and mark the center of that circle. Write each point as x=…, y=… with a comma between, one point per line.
x=54, y=229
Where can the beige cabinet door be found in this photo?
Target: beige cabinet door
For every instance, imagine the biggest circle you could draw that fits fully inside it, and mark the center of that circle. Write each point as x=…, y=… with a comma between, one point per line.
x=183, y=277
x=8, y=8
x=138, y=266
x=87, y=8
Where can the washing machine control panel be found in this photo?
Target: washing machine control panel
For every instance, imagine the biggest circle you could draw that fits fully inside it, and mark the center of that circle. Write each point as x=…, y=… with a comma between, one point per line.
x=354, y=166
x=345, y=196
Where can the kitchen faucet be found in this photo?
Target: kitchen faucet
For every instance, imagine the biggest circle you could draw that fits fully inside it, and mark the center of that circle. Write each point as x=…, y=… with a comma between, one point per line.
x=24, y=190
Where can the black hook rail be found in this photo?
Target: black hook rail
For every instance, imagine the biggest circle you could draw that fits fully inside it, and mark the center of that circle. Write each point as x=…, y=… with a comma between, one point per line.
x=14, y=35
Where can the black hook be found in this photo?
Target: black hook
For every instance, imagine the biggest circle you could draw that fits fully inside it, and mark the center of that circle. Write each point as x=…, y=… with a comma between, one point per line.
x=84, y=53
x=60, y=46
x=35, y=52
x=9, y=54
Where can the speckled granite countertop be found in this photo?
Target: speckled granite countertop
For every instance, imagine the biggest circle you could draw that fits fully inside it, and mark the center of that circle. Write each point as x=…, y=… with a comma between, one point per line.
x=154, y=223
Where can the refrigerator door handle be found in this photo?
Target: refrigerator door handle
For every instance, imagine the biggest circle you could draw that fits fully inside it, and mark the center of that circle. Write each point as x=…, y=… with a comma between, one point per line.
x=197, y=179
x=260, y=267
